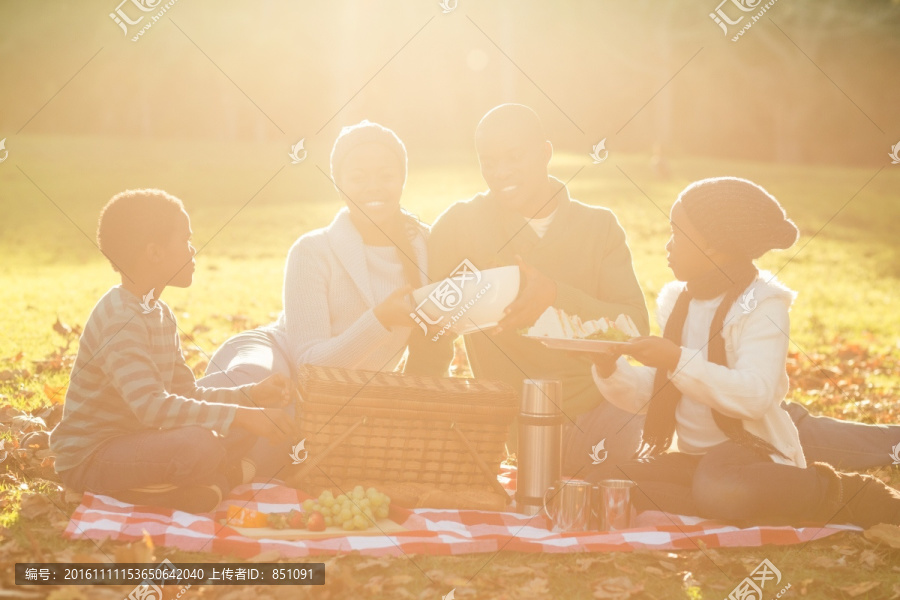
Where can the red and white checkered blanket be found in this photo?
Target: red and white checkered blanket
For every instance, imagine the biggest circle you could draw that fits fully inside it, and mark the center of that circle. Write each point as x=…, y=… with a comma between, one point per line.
x=428, y=531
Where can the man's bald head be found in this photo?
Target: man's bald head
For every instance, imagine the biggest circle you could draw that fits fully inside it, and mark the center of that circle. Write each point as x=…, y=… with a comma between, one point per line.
x=507, y=120
x=514, y=154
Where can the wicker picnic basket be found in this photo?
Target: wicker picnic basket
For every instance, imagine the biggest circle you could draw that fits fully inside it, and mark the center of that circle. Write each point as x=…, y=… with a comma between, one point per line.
x=388, y=429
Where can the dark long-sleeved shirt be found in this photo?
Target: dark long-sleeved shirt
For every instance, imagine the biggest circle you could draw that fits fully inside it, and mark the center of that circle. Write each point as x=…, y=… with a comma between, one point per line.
x=584, y=251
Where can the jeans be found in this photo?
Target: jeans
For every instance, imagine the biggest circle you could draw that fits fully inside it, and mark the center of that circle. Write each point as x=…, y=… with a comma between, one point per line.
x=183, y=456
x=729, y=483
x=846, y=445
x=250, y=357
x=620, y=432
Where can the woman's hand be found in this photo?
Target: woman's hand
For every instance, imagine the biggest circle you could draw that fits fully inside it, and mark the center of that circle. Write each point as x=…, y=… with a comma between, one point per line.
x=273, y=423
x=272, y=392
x=654, y=351
x=394, y=310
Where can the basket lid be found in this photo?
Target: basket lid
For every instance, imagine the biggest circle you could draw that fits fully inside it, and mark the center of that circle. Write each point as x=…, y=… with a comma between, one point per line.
x=313, y=379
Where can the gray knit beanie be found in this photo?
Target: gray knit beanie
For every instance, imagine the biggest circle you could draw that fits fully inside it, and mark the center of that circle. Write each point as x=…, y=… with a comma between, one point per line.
x=737, y=216
x=361, y=133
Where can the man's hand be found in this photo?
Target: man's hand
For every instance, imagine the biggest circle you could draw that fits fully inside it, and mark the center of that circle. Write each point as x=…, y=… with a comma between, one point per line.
x=273, y=423
x=605, y=362
x=536, y=293
x=654, y=351
x=272, y=392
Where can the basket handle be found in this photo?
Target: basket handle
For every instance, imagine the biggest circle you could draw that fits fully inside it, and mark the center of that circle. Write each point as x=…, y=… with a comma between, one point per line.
x=312, y=464
x=492, y=477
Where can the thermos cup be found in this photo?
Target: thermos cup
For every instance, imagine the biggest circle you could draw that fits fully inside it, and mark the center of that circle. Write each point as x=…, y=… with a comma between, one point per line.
x=539, y=443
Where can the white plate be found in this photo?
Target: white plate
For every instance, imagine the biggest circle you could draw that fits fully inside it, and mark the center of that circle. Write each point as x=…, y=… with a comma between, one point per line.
x=472, y=327
x=477, y=303
x=577, y=345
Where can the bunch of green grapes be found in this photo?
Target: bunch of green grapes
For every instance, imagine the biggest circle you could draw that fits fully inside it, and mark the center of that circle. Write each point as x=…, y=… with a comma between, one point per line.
x=357, y=510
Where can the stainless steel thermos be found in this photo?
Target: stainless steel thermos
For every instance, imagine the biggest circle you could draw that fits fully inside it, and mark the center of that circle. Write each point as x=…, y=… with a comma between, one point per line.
x=539, y=452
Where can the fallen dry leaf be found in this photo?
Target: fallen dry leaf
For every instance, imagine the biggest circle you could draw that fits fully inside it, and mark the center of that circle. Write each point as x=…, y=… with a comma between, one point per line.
x=870, y=558
x=895, y=591
x=655, y=572
x=147, y=539
x=35, y=505
x=804, y=585
x=28, y=423
x=96, y=557
x=667, y=565
x=56, y=394
x=383, y=562
x=67, y=593
x=61, y=328
x=617, y=588
x=267, y=556
x=858, y=589
x=234, y=595
x=375, y=585
x=884, y=534
x=134, y=552
x=398, y=580
x=583, y=564
x=845, y=550
x=535, y=588
x=10, y=375
x=512, y=571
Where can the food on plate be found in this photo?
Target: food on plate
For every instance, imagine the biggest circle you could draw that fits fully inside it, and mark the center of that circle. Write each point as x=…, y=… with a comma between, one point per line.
x=297, y=519
x=555, y=323
x=245, y=517
x=277, y=521
x=612, y=334
x=316, y=522
x=357, y=510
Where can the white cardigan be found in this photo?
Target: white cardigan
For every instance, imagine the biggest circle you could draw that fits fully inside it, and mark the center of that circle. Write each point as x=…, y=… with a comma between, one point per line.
x=328, y=300
x=752, y=385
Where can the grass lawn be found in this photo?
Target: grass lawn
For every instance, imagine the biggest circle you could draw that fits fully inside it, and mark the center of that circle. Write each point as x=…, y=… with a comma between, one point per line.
x=249, y=204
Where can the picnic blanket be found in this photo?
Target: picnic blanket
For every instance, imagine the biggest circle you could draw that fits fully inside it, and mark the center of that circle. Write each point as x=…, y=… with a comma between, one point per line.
x=428, y=531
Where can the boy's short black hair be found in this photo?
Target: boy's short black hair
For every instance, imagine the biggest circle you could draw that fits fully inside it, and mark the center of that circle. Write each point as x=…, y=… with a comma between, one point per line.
x=134, y=218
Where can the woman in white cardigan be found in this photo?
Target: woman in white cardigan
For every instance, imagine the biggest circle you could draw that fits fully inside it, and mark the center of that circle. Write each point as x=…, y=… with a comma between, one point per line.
x=346, y=286
x=717, y=378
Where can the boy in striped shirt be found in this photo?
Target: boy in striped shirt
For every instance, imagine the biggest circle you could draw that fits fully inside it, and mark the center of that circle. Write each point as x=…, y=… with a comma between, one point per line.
x=135, y=425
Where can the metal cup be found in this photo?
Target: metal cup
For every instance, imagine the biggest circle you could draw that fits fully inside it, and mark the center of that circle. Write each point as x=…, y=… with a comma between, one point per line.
x=614, y=504
x=570, y=505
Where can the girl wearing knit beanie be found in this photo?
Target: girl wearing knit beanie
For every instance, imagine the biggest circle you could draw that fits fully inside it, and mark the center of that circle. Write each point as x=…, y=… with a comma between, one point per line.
x=716, y=379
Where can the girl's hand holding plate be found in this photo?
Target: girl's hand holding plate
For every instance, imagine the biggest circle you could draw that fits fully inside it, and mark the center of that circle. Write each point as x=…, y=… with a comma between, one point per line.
x=654, y=351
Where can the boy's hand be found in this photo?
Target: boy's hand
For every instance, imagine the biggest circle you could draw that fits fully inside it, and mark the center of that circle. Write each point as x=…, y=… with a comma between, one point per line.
x=272, y=392
x=654, y=351
x=536, y=293
x=272, y=423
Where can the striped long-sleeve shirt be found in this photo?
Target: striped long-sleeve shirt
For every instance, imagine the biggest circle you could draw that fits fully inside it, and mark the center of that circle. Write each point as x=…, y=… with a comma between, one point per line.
x=129, y=376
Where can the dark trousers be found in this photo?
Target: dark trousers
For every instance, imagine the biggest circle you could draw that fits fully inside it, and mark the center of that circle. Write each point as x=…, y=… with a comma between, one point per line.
x=183, y=456
x=728, y=483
